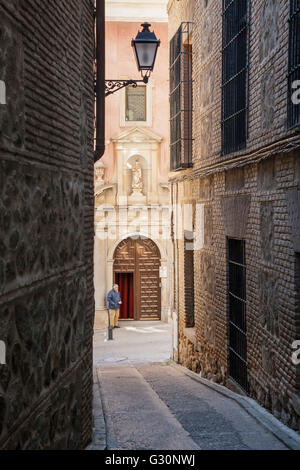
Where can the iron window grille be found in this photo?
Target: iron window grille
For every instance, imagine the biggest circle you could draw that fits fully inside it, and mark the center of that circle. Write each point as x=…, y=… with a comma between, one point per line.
x=135, y=103
x=297, y=286
x=237, y=311
x=189, y=279
x=181, y=98
x=294, y=61
x=235, y=53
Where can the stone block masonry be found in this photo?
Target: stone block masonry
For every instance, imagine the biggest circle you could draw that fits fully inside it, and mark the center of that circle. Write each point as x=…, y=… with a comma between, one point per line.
x=46, y=223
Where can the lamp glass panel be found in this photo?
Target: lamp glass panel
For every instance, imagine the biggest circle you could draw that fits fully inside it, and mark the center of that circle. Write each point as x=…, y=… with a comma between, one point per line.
x=146, y=55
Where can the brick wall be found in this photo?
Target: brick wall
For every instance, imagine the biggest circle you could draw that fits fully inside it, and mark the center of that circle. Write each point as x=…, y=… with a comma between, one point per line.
x=46, y=223
x=252, y=195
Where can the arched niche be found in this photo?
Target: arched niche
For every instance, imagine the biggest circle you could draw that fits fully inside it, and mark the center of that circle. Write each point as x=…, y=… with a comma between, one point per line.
x=129, y=166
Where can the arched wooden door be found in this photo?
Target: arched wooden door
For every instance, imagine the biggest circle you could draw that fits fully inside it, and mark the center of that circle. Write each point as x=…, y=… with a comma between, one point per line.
x=139, y=259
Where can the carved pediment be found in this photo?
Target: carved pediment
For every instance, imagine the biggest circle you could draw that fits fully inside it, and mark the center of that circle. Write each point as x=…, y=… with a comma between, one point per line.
x=137, y=134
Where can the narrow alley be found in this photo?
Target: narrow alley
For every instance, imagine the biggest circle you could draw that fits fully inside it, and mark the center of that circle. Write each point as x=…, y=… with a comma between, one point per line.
x=150, y=191
x=149, y=402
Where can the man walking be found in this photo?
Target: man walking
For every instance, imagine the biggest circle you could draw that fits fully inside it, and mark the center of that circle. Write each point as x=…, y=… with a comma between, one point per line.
x=114, y=302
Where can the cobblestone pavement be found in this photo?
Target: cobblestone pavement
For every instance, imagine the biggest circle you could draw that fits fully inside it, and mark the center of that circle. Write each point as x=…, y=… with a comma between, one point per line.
x=149, y=404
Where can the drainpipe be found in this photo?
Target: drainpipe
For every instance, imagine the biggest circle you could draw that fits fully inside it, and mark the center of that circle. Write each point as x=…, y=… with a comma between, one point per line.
x=177, y=278
x=175, y=284
x=100, y=79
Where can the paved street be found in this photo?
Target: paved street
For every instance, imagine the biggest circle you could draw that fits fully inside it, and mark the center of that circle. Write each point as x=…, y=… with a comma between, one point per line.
x=135, y=342
x=150, y=404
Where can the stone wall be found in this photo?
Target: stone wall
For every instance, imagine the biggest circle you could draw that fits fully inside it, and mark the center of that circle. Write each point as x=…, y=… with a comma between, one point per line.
x=46, y=223
x=251, y=195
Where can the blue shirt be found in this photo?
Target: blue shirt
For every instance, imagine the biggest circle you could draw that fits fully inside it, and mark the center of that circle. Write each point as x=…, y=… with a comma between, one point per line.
x=113, y=299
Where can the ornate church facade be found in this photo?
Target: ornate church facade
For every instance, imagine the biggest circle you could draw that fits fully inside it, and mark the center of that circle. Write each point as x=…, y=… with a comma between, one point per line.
x=132, y=219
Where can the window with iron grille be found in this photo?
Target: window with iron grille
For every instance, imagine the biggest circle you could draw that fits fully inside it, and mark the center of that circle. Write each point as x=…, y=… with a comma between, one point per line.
x=297, y=338
x=136, y=103
x=189, y=279
x=235, y=75
x=237, y=312
x=294, y=62
x=181, y=98
x=297, y=284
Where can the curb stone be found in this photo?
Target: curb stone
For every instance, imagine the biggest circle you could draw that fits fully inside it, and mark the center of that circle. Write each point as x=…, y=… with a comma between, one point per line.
x=99, y=441
x=282, y=432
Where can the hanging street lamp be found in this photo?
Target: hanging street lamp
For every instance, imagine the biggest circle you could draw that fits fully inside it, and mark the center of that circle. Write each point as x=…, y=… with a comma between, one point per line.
x=145, y=47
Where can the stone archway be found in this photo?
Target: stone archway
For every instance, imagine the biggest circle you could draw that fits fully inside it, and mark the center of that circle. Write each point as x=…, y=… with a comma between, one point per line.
x=139, y=259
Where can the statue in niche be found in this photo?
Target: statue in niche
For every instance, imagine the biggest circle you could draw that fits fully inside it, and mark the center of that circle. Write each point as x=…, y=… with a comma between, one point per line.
x=99, y=171
x=137, y=178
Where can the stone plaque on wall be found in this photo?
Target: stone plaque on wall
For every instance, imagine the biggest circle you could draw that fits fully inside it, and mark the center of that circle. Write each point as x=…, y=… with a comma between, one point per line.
x=207, y=35
x=208, y=275
x=210, y=326
x=206, y=135
x=208, y=225
x=267, y=99
x=266, y=230
x=266, y=178
x=234, y=179
x=293, y=203
x=269, y=28
x=207, y=86
x=206, y=188
x=235, y=211
x=268, y=288
x=268, y=360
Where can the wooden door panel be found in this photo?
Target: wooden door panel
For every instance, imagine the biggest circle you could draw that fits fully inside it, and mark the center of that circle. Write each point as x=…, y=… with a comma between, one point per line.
x=143, y=258
x=149, y=295
x=148, y=265
x=125, y=257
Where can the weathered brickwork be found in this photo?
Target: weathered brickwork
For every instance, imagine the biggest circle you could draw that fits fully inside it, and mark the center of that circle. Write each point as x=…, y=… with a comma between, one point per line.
x=251, y=195
x=46, y=223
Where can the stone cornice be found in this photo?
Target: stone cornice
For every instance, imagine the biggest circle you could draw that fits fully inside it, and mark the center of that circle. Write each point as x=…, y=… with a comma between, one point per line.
x=282, y=146
x=135, y=10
